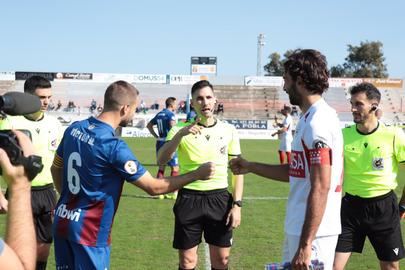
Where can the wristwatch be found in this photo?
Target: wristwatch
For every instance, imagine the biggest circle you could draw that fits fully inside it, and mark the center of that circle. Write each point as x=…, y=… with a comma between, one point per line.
x=238, y=203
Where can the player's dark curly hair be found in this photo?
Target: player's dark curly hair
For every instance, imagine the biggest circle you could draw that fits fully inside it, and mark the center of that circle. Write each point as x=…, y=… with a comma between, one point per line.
x=311, y=66
x=369, y=89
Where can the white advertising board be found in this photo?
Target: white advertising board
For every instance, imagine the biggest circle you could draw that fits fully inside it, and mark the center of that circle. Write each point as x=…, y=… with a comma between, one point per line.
x=150, y=78
x=7, y=76
x=276, y=81
x=112, y=77
x=184, y=79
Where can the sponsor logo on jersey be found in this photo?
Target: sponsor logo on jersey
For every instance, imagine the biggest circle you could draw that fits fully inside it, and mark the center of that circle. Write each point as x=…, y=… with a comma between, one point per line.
x=130, y=167
x=63, y=212
x=297, y=165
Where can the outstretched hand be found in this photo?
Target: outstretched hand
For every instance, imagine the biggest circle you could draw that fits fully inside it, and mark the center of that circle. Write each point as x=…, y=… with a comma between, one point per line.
x=239, y=165
x=206, y=171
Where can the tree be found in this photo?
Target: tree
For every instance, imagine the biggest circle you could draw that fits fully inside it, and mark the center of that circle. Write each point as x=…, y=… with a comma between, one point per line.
x=338, y=71
x=274, y=67
x=364, y=61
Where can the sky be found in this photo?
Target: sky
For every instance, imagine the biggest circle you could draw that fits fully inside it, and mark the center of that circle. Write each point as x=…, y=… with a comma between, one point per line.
x=159, y=37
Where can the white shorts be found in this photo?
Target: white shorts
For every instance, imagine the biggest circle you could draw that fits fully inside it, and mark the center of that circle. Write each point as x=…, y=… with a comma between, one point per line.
x=323, y=249
x=285, y=145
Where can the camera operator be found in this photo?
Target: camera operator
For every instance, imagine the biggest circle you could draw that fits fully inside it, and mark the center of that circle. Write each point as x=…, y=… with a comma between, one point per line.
x=18, y=250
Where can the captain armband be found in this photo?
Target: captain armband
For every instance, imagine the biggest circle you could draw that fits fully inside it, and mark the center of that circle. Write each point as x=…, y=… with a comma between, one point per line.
x=320, y=156
x=57, y=162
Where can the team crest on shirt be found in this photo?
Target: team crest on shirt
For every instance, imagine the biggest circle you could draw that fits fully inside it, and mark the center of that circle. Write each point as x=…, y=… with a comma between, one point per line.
x=130, y=167
x=378, y=164
x=222, y=150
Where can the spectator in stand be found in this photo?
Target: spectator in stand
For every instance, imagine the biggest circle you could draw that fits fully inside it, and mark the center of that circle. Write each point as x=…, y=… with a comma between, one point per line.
x=220, y=108
x=100, y=108
x=182, y=107
x=143, y=106
x=155, y=106
x=93, y=105
x=51, y=106
x=294, y=111
x=59, y=105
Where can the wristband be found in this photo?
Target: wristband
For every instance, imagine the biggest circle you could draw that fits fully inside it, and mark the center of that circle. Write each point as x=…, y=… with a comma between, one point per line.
x=401, y=208
x=238, y=203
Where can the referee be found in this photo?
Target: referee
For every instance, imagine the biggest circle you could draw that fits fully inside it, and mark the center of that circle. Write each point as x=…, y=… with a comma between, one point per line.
x=205, y=207
x=370, y=209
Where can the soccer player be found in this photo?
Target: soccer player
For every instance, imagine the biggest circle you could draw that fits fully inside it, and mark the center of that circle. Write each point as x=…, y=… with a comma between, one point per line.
x=285, y=135
x=370, y=208
x=205, y=206
x=18, y=251
x=164, y=121
x=312, y=222
x=45, y=131
x=89, y=169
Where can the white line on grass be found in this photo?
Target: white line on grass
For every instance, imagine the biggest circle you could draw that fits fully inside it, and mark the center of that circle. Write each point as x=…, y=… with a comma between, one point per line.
x=265, y=198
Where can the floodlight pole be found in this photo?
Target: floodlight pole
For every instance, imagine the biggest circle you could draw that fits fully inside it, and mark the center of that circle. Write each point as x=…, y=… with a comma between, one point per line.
x=260, y=44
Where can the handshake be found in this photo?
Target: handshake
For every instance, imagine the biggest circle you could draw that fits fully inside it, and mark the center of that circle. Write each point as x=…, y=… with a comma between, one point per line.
x=237, y=165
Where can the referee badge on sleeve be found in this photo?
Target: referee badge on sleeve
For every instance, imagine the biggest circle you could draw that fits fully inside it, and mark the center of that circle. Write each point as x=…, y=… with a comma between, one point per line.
x=130, y=167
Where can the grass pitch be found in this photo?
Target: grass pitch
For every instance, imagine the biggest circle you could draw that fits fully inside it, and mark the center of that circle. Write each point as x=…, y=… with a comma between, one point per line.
x=143, y=227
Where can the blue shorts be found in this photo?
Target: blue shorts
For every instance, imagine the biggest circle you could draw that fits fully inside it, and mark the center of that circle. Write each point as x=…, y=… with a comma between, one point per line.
x=71, y=255
x=174, y=161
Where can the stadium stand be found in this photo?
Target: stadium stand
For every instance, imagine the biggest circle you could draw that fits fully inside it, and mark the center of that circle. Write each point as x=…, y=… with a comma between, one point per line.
x=240, y=102
x=5, y=86
x=244, y=102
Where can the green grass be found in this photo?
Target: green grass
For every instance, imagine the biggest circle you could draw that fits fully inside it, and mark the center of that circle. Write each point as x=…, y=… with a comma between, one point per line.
x=143, y=227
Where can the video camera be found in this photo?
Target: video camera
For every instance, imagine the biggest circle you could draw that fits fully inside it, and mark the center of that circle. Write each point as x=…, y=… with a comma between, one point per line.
x=16, y=103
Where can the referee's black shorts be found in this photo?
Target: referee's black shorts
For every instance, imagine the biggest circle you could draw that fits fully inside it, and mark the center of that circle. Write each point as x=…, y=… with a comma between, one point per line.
x=43, y=202
x=378, y=219
x=202, y=211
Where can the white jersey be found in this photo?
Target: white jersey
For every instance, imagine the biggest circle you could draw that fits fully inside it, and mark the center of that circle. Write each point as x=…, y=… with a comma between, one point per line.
x=286, y=137
x=318, y=126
